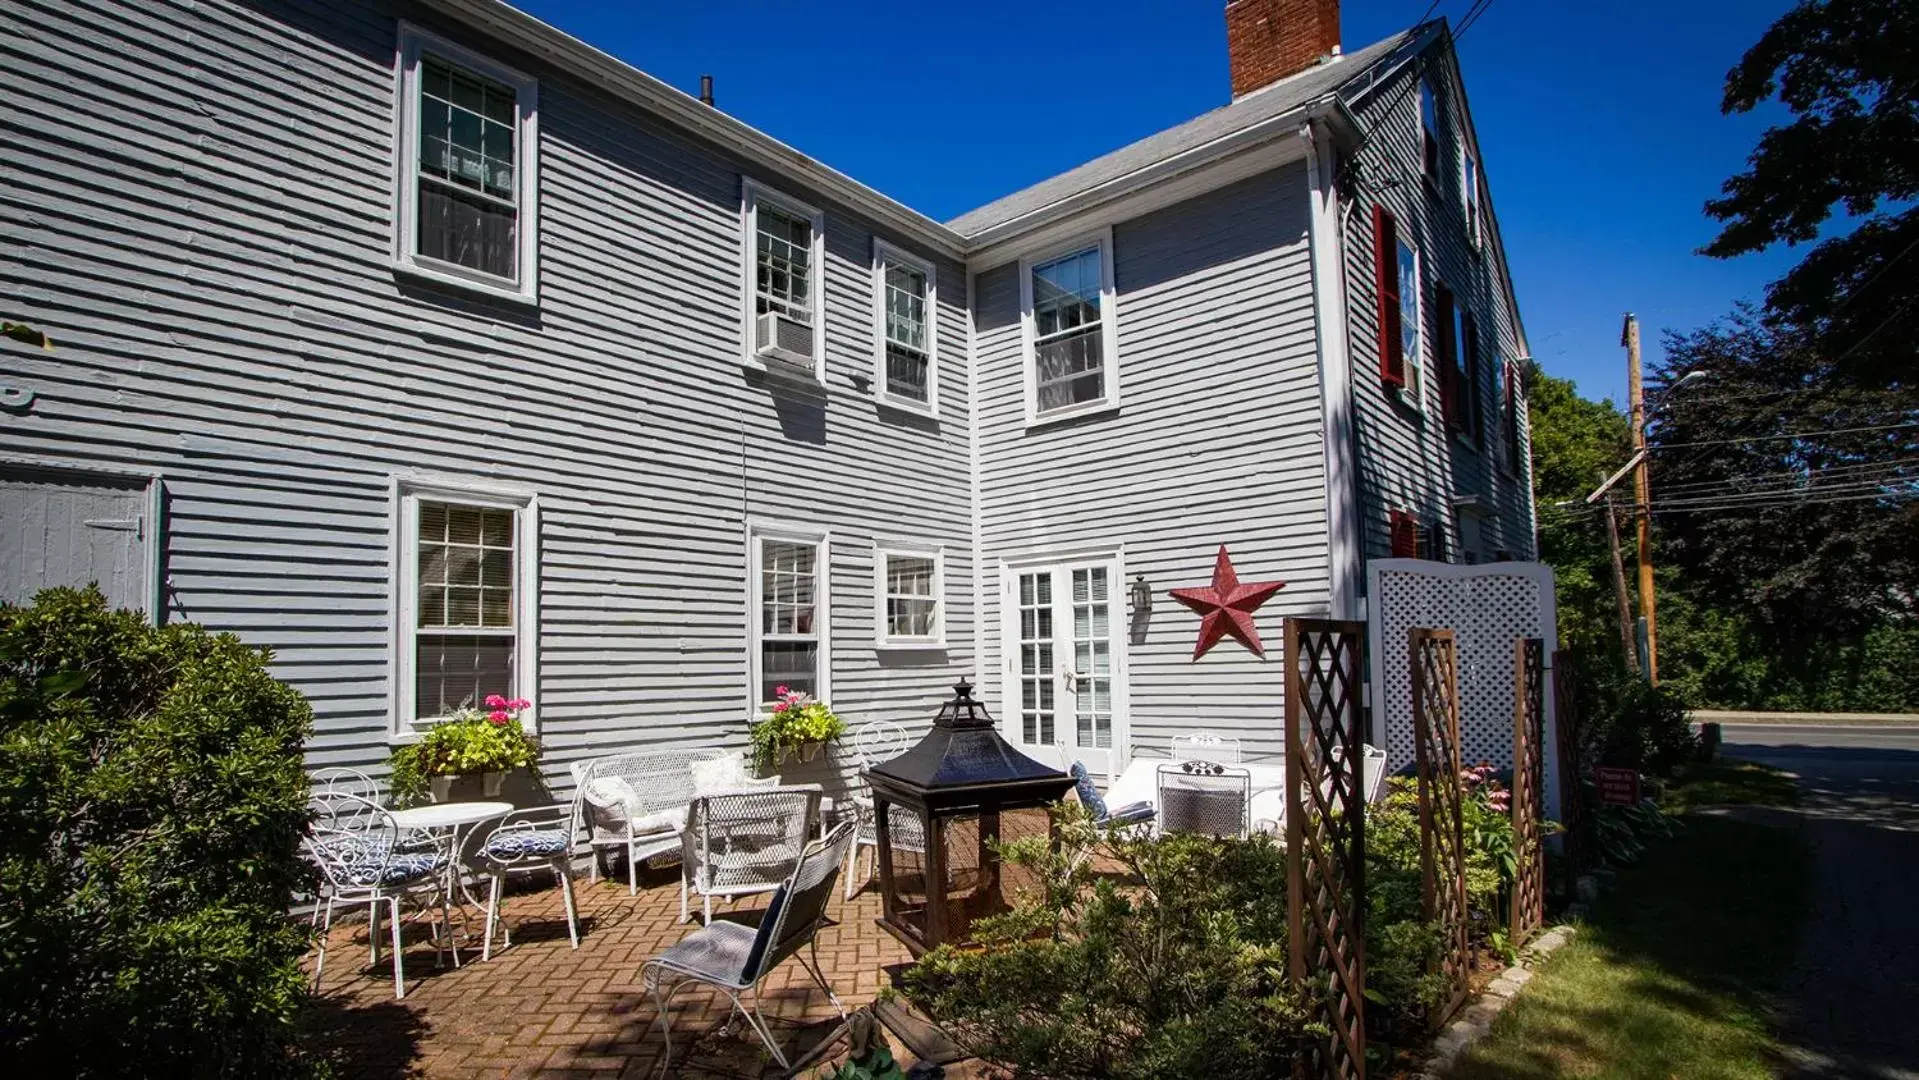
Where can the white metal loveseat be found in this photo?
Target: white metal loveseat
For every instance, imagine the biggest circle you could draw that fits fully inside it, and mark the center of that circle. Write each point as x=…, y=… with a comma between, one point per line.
x=637, y=801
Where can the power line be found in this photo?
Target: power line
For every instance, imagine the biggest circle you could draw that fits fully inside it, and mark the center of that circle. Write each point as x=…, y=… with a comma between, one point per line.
x=1419, y=71
x=1787, y=435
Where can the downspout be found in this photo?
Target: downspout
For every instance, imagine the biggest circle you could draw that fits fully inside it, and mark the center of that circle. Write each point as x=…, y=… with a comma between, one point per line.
x=1343, y=540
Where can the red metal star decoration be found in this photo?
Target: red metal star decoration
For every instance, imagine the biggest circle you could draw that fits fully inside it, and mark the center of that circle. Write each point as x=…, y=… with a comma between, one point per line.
x=1226, y=606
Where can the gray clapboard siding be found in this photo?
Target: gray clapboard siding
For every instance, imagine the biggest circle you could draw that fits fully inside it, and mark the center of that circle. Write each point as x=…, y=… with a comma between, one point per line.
x=227, y=317
x=1217, y=440
x=1405, y=460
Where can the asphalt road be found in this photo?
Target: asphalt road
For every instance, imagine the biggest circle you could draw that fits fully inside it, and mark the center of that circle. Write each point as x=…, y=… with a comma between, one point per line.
x=1852, y=999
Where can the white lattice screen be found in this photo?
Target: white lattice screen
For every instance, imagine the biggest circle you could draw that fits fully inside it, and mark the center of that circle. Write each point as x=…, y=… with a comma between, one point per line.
x=1486, y=606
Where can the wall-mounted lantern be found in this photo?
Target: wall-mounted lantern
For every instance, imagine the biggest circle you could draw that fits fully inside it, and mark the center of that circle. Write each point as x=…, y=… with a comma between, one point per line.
x=1139, y=596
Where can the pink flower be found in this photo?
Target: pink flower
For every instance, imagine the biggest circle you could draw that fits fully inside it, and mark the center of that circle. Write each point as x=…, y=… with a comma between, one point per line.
x=779, y=708
x=781, y=690
x=499, y=716
x=519, y=703
x=495, y=701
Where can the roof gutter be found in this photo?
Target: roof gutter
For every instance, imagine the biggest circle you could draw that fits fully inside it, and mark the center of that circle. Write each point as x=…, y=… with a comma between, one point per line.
x=570, y=54
x=1327, y=109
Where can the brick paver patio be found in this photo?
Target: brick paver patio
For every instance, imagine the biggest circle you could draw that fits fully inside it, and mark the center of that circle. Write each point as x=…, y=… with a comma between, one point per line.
x=541, y=1009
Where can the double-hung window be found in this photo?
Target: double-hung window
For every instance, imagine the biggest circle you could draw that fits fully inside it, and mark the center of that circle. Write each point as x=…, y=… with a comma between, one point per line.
x=789, y=611
x=785, y=244
x=909, y=583
x=1396, y=314
x=1067, y=299
x=906, y=316
x=468, y=169
x=467, y=600
x=1429, y=131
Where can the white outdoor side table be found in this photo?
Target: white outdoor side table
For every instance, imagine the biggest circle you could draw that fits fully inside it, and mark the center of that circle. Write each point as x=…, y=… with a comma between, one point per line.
x=444, y=822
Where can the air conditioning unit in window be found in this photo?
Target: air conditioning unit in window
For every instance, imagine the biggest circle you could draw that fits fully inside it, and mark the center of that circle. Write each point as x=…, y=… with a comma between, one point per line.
x=781, y=341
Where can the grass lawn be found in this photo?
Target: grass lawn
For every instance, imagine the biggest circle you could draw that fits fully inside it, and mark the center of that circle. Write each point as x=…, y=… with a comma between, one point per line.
x=1673, y=976
x=1730, y=780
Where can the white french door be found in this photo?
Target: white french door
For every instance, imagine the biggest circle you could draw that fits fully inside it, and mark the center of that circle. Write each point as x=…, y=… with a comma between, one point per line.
x=1065, y=682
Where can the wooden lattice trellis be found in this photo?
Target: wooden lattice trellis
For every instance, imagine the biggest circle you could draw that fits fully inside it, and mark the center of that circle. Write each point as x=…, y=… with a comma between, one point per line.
x=1326, y=837
x=1572, y=789
x=1442, y=845
x=1529, y=780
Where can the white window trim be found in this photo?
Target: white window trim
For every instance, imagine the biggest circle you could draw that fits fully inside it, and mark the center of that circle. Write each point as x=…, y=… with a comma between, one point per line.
x=1471, y=206
x=758, y=530
x=883, y=255
x=1109, y=328
x=752, y=194
x=406, y=164
x=404, y=496
x=1413, y=394
x=883, y=639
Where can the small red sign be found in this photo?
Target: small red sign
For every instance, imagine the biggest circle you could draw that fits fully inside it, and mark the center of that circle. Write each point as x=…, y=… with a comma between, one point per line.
x=1617, y=787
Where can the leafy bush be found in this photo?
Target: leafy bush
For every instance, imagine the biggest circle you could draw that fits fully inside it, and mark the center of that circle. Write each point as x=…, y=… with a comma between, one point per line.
x=151, y=806
x=1175, y=969
x=1643, y=727
x=1403, y=950
x=469, y=742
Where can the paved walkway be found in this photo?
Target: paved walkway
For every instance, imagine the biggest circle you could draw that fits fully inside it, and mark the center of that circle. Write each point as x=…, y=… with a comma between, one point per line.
x=541, y=1009
x=1853, y=997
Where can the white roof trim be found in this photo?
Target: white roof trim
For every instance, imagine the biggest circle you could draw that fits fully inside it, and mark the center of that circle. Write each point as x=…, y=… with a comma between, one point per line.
x=522, y=31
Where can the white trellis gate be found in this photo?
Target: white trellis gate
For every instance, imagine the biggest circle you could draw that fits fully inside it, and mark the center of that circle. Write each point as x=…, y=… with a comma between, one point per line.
x=1486, y=606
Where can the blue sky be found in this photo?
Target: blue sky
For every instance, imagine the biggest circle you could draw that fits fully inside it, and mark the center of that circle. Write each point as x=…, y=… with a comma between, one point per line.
x=1598, y=119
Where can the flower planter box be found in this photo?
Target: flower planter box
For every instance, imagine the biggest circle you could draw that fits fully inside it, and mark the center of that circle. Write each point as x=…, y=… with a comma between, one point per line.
x=473, y=787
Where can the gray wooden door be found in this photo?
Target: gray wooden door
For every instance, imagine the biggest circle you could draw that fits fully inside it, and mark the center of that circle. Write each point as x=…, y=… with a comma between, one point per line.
x=70, y=528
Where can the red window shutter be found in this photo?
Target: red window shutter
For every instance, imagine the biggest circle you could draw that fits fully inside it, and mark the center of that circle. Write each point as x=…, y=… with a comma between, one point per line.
x=1392, y=362
x=1405, y=530
x=1446, y=354
x=1469, y=390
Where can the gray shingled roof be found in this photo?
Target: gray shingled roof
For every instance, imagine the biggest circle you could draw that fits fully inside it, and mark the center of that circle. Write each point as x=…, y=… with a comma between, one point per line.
x=1276, y=100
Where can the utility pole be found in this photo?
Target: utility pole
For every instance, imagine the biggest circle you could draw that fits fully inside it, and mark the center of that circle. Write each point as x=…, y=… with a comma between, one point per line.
x=1619, y=588
x=1642, y=494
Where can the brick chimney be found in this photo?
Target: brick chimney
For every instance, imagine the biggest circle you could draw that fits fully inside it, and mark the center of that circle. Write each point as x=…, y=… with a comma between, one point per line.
x=1267, y=40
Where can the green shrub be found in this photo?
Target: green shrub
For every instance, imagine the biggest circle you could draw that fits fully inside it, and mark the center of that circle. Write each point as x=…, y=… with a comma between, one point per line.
x=1643, y=727
x=1176, y=969
x=151, y=806
x=1403, y=981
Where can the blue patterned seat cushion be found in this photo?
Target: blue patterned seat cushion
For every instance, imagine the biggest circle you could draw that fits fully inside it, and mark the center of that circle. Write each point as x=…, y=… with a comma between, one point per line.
x=1089, y=796
x=399, y=869
x=523, y=844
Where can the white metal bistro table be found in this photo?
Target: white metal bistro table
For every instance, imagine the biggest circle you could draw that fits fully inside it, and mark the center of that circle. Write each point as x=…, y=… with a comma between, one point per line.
x=444, y=822
x=1140, y=783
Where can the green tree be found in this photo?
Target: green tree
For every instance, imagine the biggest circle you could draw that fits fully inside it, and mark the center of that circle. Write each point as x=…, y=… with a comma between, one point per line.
x=1848, y=71
x=1576, y=443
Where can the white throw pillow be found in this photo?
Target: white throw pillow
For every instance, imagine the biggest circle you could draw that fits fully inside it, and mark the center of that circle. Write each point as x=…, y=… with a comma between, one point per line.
x=659, y=821
x=714, y=775
x=614, y=797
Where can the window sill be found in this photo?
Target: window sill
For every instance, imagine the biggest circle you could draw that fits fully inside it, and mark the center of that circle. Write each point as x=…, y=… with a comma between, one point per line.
x=1406, y=401
x=426, y=275
x=1076, y=412
x=895, y=645
x=906, y=405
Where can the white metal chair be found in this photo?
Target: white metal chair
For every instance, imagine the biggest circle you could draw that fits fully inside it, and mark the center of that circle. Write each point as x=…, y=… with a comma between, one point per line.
x=1206, y=798
x=345, y=781
x=743, y=842
x=524, y=841
x=1206, y=746
x=734, y=959
x=356, y=846
x=872, y=743
x=1372, y=772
